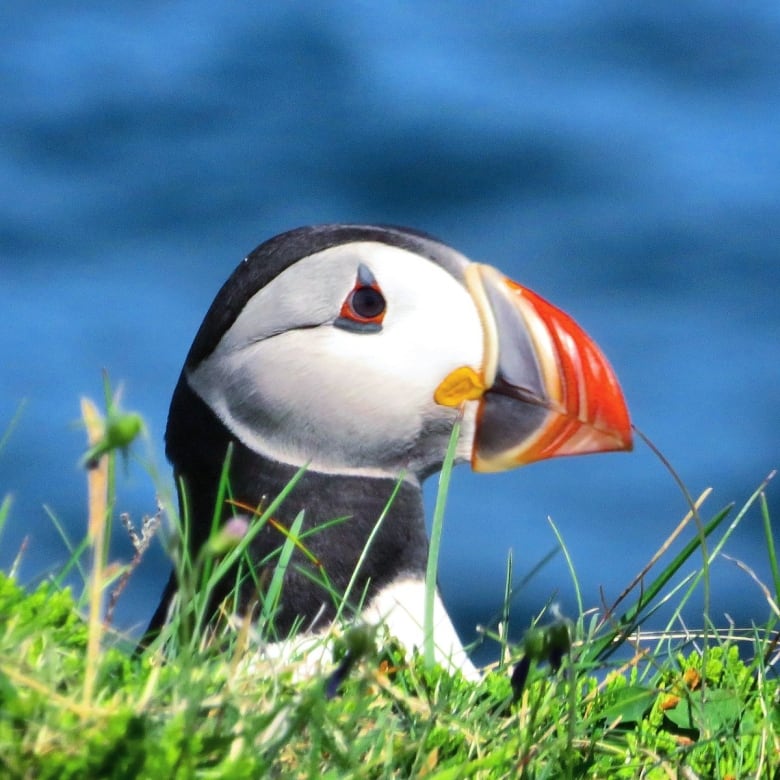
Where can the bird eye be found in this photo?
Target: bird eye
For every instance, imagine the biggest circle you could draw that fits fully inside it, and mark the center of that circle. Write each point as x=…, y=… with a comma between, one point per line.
x=364, y=308
x=367, y=302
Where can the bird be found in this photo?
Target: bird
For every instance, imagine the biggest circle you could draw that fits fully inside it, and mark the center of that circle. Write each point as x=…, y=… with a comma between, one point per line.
x=347, y=352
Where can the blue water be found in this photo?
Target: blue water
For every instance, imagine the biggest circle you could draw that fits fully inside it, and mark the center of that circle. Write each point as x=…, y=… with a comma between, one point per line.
x=621, y=159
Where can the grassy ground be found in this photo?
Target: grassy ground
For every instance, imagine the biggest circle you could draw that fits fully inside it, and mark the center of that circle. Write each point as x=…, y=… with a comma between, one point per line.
x=593, y=697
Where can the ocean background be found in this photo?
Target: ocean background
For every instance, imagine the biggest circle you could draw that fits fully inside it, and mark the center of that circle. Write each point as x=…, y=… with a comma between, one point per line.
x=621, y=159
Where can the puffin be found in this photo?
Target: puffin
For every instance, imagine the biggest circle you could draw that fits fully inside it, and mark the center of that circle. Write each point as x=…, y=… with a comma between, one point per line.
x=338, y=358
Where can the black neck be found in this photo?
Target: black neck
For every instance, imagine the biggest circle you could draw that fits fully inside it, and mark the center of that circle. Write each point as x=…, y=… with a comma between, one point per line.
x=197, y=443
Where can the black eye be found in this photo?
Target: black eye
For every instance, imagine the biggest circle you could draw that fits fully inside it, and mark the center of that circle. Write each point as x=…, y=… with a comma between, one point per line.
x=364, y=307
x=367, y=302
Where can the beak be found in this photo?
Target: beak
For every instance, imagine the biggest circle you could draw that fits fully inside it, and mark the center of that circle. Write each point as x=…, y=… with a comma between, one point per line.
x=544, y=390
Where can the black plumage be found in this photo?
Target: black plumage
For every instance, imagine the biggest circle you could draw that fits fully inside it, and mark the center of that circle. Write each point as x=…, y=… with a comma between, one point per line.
x=197, y=444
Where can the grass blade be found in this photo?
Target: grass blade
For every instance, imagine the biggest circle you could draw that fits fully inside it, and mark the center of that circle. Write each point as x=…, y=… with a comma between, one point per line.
x=601, y=649
x=569, y=564
x=274, y=592
x=5, y=509
x=770, y=541
x=437, y=526
x=12, y=425
x=75, y=552
x=366, y=547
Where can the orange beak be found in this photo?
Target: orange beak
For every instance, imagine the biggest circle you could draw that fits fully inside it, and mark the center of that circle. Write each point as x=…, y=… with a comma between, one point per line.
x=546, y=389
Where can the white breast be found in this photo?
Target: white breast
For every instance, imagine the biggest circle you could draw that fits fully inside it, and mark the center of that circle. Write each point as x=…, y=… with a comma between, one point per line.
x=399, y=607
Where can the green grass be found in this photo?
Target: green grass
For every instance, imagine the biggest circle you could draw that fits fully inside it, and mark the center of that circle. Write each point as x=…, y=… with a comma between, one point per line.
x=595, y=696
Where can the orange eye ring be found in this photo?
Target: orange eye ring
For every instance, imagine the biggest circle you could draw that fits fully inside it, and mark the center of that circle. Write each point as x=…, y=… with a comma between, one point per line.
x=364, y=308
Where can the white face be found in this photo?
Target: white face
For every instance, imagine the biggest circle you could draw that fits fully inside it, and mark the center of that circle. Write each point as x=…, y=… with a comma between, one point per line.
x=291, y=385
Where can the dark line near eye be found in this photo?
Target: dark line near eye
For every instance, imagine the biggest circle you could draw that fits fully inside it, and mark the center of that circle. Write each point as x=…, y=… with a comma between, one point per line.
x=356, y=327
x=276, y=333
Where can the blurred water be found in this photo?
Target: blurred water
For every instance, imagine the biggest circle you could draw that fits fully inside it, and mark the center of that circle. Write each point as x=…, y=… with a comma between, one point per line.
x=621, y=160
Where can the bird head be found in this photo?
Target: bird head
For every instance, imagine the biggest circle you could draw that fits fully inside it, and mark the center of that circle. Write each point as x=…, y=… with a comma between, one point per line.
x=353, y=348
